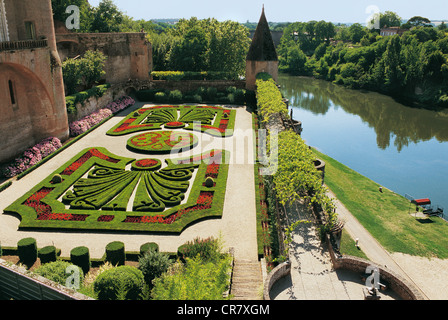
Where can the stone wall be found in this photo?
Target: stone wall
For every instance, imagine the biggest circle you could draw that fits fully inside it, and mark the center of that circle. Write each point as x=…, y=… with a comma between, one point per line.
x=129, y=55
x=280, y=271
x=255, y=67
x=398, y=284
x=96, y=103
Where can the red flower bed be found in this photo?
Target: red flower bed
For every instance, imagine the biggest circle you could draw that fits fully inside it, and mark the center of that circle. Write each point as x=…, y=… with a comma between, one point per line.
x=203, y=202
x=83, y=159
x=144, y=163
x=44, y=211
x=105, y=218
x=63, y=216
x=212, y=171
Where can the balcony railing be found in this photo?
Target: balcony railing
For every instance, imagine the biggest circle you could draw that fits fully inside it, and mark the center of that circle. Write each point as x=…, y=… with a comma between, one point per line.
x=23, y=45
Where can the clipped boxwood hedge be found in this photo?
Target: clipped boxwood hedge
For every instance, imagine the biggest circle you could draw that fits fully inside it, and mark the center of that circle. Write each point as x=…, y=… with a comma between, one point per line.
x=80, y=256
x=115, y=253
x=148, y=246
x=47, y=254
x=27, y=250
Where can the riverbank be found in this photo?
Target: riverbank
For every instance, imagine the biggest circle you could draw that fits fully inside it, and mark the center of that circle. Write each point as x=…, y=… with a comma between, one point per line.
x=416, y=245
x=387, y=215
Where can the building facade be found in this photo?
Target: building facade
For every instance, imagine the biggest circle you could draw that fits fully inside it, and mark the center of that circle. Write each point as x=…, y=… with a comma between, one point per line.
x=32, y=99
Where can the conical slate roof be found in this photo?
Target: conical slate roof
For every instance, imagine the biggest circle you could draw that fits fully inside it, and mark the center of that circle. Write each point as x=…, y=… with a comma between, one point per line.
x=262, y=47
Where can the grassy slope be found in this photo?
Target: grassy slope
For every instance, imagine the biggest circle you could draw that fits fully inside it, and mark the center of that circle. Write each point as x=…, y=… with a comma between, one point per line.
x=386, y=215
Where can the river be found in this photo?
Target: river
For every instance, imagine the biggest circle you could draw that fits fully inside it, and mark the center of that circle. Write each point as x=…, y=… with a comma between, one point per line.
x=403, y=149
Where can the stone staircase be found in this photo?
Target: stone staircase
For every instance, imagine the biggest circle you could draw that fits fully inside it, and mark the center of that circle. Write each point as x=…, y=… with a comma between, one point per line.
x=247, y=280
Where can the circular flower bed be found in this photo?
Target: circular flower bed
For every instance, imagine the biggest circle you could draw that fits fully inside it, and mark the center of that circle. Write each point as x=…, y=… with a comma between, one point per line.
x=162, y=142
x=174, y=125
x=147, y=164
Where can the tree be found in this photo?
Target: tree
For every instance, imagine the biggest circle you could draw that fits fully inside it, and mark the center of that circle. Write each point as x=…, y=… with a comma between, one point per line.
x=392, y=59
x=86, y=70
x=418, y=21
x=92, y=66
x=296, y=60
x=86, y=17
x=357, y=32
x=107, y=17
x=389, y=19
x=442, y=26
x=189, y=55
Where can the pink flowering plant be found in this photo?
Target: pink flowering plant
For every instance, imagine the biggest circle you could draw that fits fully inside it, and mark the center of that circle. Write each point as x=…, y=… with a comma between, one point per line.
x=79, y=127
x=31, y=157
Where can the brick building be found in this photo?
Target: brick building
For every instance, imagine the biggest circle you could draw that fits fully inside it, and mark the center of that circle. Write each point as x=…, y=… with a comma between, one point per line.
x=32, y=99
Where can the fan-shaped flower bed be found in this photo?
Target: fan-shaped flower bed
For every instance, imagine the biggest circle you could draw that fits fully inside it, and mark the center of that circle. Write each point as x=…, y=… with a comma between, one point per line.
x=97, y=192
x=213, y=120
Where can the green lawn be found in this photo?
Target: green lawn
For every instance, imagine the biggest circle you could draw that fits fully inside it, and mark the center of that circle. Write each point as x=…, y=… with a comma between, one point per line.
x=386, y=215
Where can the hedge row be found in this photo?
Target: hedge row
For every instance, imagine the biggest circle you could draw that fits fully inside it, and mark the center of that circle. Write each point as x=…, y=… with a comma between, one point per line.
x=269, y=99
x=230, y=95
x=191, y=75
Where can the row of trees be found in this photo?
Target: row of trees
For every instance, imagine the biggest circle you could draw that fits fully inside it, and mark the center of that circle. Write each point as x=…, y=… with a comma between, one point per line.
x=202, y=45
x=413, y=66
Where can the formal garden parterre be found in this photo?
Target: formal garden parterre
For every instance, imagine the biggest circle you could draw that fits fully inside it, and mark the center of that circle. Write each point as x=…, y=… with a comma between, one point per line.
x=98, y=190
x=102, y=200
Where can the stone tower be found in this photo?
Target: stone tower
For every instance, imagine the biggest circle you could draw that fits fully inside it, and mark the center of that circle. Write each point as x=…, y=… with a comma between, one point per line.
x=32, y=98
x=262, y=56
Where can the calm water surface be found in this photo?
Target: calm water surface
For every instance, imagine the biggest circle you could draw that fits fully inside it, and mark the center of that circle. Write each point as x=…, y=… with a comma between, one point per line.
x=404, y=149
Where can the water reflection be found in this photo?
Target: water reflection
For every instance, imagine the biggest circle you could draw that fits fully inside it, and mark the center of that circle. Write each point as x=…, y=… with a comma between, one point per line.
x=388, y=118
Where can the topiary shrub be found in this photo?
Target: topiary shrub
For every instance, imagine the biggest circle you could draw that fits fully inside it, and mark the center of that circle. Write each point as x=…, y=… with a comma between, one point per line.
x=120, y=283
x=47, y=254
x=209, y=182
x=27, y=251
x=115, y=253
x=175, y=96
x=58, y=272
x=148, y=246
x=56, y=179
x=160, y=97
x=153, y=264
x=80, y=256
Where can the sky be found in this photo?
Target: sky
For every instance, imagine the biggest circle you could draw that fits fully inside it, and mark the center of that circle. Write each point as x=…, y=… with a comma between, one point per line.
x=344, y=11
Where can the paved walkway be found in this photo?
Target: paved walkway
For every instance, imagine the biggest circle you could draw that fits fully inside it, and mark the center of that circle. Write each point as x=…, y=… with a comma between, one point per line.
x=237, y=226
x=367, y=243
x=312, y=275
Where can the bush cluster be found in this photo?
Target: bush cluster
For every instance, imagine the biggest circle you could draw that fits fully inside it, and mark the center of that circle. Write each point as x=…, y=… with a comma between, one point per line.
x=192, y=75
x=230, y=95
x=80, y=97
